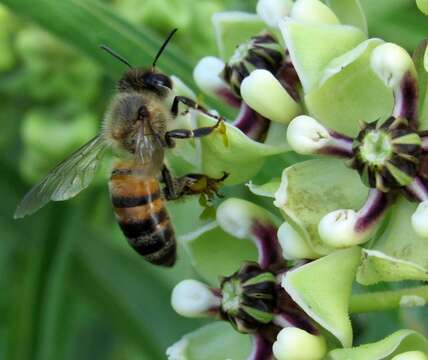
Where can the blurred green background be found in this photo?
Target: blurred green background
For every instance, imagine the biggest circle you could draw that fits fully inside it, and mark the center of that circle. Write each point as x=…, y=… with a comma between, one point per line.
x=70, y=287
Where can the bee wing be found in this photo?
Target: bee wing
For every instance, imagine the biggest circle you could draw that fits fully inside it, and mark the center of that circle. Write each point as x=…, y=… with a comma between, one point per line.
x=66, y=180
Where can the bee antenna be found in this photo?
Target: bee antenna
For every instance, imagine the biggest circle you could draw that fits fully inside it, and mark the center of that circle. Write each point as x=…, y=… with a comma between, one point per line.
x=116, y=55
x=165, y=43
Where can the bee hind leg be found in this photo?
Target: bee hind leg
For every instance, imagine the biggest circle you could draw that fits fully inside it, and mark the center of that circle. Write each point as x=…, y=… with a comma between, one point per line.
x=191, y=184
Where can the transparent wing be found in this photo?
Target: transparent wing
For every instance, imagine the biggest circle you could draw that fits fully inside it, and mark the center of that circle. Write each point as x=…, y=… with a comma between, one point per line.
x=66, y=180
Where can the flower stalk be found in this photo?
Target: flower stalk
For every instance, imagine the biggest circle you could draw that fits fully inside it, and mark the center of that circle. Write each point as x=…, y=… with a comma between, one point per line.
x=387, y=300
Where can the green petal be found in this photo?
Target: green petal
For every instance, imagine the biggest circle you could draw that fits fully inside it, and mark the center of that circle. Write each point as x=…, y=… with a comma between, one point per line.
x=349, y=92
x=377, y=266
x=215, y=253
x=211, y=342
x=312, y=47
x=400, y=253
x=268, y=189
x=311, y=189
x=235, y=28
x=242, y=157
x=349, y=12
x=323, y=288
x=397, y=343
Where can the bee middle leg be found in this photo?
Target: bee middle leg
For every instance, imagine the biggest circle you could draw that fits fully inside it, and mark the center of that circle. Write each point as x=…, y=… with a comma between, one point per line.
x=186, y=133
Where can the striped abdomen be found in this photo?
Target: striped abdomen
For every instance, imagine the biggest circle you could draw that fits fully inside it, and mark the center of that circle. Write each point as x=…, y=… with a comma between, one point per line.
x=142, y=216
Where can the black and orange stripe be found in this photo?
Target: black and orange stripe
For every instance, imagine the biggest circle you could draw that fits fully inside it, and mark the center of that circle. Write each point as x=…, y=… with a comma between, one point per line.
x=142, y=216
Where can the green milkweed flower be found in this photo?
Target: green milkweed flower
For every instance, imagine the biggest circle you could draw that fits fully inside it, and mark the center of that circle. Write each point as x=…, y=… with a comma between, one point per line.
x=336, y=93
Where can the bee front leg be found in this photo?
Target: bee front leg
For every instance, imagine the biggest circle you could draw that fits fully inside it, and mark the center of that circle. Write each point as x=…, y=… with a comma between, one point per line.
x=195, y=133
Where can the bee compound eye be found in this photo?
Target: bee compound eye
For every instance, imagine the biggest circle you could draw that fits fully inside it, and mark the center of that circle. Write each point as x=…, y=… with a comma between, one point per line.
x=160, y=80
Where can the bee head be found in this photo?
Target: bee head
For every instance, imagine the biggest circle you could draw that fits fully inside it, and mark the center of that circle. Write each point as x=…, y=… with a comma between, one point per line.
x=140, y=79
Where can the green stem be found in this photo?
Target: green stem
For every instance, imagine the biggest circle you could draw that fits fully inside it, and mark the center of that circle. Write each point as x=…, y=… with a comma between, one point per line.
x=386, y=300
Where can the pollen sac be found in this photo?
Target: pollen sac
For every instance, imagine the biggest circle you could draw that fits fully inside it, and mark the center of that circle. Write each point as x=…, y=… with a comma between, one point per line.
x=248, y=298
x=260, y=52
x=387, y=156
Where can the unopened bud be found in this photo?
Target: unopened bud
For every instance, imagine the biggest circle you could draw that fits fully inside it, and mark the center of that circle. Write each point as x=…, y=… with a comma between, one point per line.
x=264, y=94
x=192, y=298
x=296, y=344
x=305, y=135
x=337, y=229
x=391, y=63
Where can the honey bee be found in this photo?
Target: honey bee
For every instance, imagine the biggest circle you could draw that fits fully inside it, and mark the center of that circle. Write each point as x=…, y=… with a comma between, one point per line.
x=135, y=125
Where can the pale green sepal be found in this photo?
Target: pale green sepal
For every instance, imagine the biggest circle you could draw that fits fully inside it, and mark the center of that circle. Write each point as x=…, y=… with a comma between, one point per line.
x=311, y=189
x=423, y=6
x=322, y=288
x=241, y=157
x=180, y=88
x=350, y=92
x=214, y=253
x=406, y=252
x=268, y=190
x=349, y=12
x=211, y=342
x=397, y=343
x=312, y=47
x=234, y=28
x=376, y=267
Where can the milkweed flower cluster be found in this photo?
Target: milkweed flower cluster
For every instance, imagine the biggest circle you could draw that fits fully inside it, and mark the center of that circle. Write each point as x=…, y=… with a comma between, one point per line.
x=305, y=78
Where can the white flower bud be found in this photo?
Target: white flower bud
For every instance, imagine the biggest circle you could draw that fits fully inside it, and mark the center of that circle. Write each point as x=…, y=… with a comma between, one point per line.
x=337, y=229
x=314, y=12
x=264, y=94
x=236, y=217
x=423, y=6
x=293, y=245
x=271, y=11
x=296, y=344
x=305, y=135
x=419, y=219
x=391, y=62
x=207, y=75
x=192, y=298
x=411, y=355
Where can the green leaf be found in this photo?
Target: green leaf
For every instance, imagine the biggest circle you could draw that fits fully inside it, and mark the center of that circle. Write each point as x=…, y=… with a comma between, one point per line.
x=349, y=12
x=397, y=343
x=87, y=23
x=215, y=253
x=312, y=47
x=322, y=288
x=37, y=305
x=349, y=92
x=399, y=253
x=234, y=28
x=311, y=189
x=212, y=342
x=135, y=294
